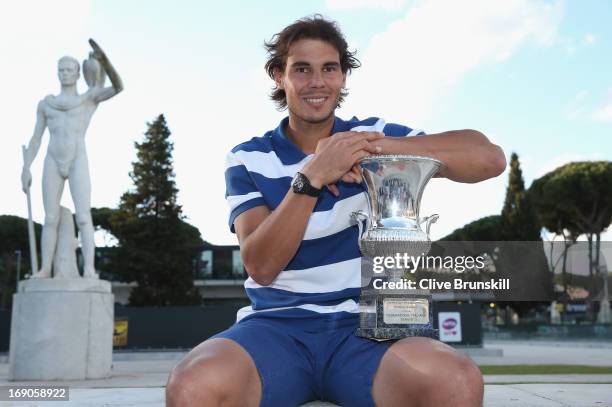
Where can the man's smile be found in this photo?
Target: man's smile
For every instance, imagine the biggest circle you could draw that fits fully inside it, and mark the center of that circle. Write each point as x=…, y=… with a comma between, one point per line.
x=316, y=101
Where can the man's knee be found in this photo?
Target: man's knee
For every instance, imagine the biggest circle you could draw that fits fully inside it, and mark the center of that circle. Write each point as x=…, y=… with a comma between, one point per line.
x=83, y=220
x=52, y=219
x=467, y=377
x=459, y=379
x=195, y=379
x=442, y=373
x=186, y=385
x=212, y=373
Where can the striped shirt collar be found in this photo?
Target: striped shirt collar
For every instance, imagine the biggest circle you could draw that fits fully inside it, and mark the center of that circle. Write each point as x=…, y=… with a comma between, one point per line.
x=287, y=151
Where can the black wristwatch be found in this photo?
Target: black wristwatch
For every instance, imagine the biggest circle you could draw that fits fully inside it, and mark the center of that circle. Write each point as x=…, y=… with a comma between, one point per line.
x=301, y=185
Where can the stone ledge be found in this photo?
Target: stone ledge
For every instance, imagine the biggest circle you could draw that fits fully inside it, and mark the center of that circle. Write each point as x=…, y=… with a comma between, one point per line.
x=65, y=284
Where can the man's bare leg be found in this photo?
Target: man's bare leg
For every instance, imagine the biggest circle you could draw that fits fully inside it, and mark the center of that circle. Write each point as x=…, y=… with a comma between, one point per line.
x=216, y=372
x=53, y=186
x=80, y=189
x=423, y=372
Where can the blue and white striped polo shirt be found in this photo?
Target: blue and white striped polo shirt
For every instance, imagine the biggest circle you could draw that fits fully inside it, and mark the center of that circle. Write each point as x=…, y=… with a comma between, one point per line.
x=324, y=276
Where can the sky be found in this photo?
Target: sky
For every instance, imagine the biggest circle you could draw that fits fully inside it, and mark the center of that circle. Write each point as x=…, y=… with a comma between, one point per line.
x=533, y=76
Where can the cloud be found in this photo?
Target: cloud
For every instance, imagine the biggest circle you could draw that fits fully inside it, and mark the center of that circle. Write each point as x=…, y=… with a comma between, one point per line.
x=572, y=45
x=576, y=108
x=590, y=38
x=387, y=5
x=582, y=107
x=603, y=114
x=408, y=68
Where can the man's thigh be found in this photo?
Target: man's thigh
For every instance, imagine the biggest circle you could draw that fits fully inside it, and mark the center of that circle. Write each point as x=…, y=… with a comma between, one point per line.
x=426, y=372
x=52, y=187
x=80, y=184
x=282, y=359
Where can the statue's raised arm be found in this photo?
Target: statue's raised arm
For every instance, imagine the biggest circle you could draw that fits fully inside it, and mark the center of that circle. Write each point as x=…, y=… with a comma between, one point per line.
x=95, y=68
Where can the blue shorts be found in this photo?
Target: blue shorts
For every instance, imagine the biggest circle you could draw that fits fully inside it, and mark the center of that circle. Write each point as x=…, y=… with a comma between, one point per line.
x=304, y=359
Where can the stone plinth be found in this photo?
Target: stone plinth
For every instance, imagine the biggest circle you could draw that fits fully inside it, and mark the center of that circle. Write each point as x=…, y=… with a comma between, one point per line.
x=61, y=329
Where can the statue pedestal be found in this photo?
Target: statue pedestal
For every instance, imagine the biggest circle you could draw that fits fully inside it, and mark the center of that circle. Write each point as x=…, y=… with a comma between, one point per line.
x=61, y=329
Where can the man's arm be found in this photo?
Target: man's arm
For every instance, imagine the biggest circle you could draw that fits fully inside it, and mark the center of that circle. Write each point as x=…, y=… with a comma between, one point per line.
x=103, y=94
x=269, y=240
x=33, y=146
x=468, y=155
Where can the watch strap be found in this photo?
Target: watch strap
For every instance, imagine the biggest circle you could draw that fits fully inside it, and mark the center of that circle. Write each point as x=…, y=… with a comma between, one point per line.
x=301, y=185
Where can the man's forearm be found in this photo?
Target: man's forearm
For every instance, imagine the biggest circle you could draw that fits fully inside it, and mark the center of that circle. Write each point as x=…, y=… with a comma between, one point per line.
x=272, y=245
x=32, y=150
x=30, y=153
x=35, y=141
x=467, y=154
x=112, y=75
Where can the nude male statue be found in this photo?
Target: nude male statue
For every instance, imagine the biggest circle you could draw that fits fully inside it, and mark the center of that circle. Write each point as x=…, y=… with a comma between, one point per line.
x=67, y=117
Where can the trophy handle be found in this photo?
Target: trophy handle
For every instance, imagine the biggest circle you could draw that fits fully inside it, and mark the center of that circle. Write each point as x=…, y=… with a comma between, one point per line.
x=428, y=221
x=357, y=217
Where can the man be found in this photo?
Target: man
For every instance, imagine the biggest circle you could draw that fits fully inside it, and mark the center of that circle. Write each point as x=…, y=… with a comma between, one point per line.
x=296, y=342
x=67, y=117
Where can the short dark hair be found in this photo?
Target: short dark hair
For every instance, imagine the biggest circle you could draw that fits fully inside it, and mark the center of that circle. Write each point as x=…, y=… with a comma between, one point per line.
x=313, y=27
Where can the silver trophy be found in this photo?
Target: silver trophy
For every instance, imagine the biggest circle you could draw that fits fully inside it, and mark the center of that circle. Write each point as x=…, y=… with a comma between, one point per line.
x=394, y=185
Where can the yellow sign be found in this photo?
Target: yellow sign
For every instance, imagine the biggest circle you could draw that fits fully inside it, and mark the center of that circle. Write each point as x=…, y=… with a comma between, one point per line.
x=120, y=333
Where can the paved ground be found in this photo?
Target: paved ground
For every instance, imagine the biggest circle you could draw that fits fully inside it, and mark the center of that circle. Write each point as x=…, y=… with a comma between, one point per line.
x=138, y=379
x=549, y=353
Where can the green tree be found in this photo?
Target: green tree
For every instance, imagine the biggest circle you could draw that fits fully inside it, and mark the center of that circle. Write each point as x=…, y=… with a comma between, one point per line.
x=509, y=240
x=155, y=244
x=576, y=199
x=522, y=256
x=13, y=237
x=519, y=220
x=101, y=218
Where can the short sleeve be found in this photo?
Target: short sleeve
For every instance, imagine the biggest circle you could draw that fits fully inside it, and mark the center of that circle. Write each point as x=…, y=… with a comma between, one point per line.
x=399, y=130
x=241, y=192
x=389, y=129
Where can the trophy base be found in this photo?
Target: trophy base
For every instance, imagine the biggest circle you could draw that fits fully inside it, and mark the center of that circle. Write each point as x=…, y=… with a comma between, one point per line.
x=386, y=315
x=385, y=334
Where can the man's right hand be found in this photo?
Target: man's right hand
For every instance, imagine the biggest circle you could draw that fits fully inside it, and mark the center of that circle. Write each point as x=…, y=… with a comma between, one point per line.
x=335, y=158
x=26, y=179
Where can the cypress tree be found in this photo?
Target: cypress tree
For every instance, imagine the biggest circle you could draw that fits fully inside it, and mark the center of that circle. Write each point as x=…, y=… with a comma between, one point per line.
x=519, y=220
x=155, y=244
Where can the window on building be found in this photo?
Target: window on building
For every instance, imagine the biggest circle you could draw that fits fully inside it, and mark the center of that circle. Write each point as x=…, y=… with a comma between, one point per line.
x=237, y=264
x=204, y=264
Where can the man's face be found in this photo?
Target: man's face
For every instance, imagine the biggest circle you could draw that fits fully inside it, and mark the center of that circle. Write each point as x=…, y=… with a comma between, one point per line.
x=67, y=72
x=312, y=80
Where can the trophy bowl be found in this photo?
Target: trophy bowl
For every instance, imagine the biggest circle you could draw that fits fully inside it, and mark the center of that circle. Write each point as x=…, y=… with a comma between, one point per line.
x=394, y=186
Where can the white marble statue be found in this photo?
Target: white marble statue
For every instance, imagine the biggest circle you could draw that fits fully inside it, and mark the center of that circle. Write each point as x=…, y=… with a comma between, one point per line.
x=67, y=117
x=64, y=261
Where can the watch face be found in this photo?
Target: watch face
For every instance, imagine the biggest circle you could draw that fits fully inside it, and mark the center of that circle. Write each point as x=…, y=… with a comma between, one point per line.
x=298, y=182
